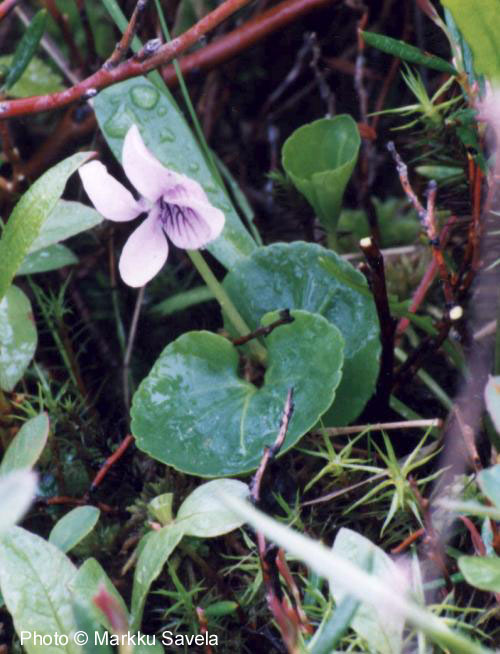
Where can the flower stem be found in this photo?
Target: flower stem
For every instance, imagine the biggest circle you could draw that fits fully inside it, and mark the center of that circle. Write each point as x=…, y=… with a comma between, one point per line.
x=226, y=304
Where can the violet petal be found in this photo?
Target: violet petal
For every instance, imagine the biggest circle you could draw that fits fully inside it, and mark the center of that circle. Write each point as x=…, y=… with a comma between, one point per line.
x=145, y=252
x=109, y=197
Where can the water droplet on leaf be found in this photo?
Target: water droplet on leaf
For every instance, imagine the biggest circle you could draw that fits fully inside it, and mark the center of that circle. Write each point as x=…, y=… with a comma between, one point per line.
x=166, y=134
x=194, y=167
x=161, y=111
x=120, y=122
x=144, y=96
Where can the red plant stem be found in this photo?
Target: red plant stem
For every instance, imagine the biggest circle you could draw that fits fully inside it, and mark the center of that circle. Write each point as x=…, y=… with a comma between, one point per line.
x=243, y=37
x=6, y=6
x=409, y=540
x=430, y=226
x=123, y=45
x=426, y=281
x=130, y=68
x=111, y=460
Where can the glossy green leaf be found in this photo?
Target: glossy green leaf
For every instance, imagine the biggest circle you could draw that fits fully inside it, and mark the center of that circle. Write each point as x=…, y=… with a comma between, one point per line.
x=319, y=159
x=407, y=52
x=307, y=276
x=65, y=220
x=492, y=400
x=202, y=513
x=26, y=48
x=73, y=527
x=154, y=551
x=51, y=258
x=35, y=578
x=383, y=630
x=18, y=337
x=479, y=23
x=481, y=571
x=29, y=214
x=194, y=411
x=489, y=482
x=85, y=585
x=27, y=445
x=167, y=134
x=17, y=490
x=38, y=79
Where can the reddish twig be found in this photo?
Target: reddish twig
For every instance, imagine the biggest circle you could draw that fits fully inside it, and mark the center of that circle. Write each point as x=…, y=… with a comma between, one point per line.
x=427, y=279
x=287, y=618
x=111, y=460
x=6, y=6
x=123, y=44
x=132, y=67
x=202, y=621
x=243, y=37
x=409, y=540
x=73, y=501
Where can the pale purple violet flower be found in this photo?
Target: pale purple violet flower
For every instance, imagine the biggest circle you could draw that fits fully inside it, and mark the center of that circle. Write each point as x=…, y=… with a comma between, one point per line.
x=177, y=207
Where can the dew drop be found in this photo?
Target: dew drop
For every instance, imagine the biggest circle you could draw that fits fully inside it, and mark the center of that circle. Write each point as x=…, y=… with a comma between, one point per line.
x=144, y=96
x=120, y=122
x=166, y=134
x=161, y=111
x=210, y=188
x=193, y=167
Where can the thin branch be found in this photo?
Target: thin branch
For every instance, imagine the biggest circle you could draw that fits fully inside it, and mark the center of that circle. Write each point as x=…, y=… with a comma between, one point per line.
x=111, y=460
x=385, y=426
x=284, y=319
x=123, y=45
x=132, y=67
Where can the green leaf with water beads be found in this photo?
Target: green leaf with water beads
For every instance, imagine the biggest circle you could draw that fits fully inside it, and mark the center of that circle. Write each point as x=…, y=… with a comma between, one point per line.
x=167, y=134
x=307, y=276
x=18, y=337
x=319, y=159
x=195, y=412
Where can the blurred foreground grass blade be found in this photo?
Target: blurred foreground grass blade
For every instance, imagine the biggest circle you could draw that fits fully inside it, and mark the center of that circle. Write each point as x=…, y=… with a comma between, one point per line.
x=29, y=214
x=26, y=48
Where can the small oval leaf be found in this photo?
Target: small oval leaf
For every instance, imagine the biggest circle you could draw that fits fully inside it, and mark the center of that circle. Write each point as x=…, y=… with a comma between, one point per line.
x=73, y=527
x=27, y=445
x=18, y=337
x=203, y=514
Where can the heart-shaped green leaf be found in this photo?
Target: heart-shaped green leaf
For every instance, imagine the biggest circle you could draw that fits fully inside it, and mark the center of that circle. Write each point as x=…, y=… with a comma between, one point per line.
x=18, y=337
x=167, y=134
x=319, y=159
x=307, y=276
x=194, y=412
